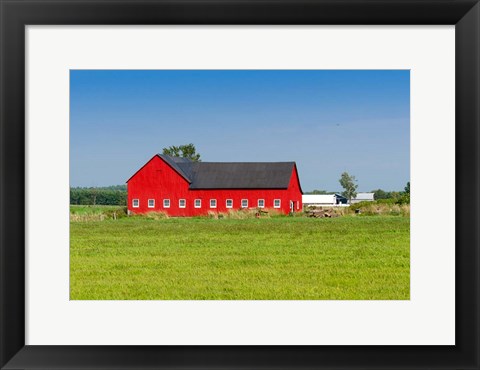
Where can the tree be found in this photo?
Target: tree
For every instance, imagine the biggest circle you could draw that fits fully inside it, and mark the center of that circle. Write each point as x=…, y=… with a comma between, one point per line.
x=382, y=194
x=94, y=196
x=405, y=196
x=348, y=183
x=183, y=151
x=316, y=191
x=110, y=195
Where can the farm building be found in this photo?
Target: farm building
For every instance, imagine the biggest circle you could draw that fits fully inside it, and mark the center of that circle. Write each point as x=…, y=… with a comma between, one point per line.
x=318, y=199
x=323, y=200
x=341, y=200
x=180, y=187
x=363, y=197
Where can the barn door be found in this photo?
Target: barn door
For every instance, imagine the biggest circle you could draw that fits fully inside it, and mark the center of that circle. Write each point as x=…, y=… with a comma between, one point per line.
x=292, y=206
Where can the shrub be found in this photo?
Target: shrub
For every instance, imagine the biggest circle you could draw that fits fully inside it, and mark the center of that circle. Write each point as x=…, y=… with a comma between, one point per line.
x=380, y=207
x=404, y=199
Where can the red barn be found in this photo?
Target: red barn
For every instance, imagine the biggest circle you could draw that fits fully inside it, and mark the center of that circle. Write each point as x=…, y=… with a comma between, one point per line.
x=180, y=187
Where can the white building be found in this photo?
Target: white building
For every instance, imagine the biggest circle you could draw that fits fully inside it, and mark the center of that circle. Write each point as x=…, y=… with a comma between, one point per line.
x=330, y=200
x=319, y=200
x=363, y=197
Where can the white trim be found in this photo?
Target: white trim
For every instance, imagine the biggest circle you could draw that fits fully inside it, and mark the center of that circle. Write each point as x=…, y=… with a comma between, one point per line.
x=226, y=203
x=244, y=200
x=153, y=205
x=263, y=203
x=195, y=203
x=279, y=203
x=180, y=203
x=165, y=205
x=133, y=203
x=215, y=201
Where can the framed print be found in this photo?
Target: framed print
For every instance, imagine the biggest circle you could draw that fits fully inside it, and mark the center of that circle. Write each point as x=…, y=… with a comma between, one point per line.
x=224, y=249
x=364, y=273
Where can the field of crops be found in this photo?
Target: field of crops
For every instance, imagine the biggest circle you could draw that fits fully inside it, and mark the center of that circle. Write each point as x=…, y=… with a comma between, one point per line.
x=350, y=257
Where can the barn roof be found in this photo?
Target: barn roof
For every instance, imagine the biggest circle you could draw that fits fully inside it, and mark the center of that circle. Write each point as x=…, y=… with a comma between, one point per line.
x=179, y=164
x=232, y=175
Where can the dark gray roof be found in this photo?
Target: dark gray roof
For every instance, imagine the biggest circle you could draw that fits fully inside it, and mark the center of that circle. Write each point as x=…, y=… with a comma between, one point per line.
x=177, y=163
x=232, y=175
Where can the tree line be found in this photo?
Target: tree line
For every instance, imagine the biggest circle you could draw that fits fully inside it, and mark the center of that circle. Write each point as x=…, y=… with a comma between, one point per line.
x=349, y=185
x=109, y=196
x=117, y=194
x=379, y=193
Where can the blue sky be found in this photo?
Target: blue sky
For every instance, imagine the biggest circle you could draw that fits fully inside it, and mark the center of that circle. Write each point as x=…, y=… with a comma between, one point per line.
x=327, y=121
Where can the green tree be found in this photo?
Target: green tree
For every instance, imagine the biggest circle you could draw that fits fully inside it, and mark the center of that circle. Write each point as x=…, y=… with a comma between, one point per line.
x=348, y=182
x=316, y=191
x=183, y=151
x=405, y=195
x=382, y=194
x=110, y=195
x=94, y=195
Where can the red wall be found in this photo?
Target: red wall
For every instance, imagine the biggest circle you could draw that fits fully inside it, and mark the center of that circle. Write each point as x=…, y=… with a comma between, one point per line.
x=158, y=181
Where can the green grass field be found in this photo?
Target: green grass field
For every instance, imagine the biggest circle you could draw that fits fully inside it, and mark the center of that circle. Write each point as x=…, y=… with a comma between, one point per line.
x=283, y=258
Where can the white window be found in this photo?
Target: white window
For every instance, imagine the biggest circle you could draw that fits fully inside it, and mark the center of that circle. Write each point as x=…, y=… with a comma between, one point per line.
x=182, y=203
x=276, y=203
x=261, y=203
x=151, y=203
x=135, y=203
x=213, y=203
x=166, y=203
x=244, y=203
x=198, y=203
x=229, y=203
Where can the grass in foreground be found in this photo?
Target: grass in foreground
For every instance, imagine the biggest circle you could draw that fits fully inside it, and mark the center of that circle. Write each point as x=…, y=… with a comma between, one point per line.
x=276, y=258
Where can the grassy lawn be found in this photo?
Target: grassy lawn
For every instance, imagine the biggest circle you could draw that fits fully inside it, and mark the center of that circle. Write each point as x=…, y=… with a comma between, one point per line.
x=273, y=258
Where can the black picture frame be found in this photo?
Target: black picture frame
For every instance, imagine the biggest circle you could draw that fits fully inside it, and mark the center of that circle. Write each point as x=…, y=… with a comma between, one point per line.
x=16, y=14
